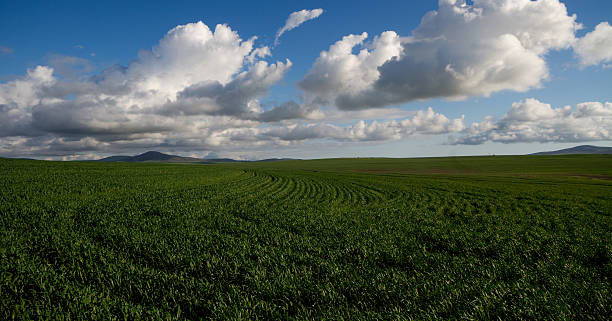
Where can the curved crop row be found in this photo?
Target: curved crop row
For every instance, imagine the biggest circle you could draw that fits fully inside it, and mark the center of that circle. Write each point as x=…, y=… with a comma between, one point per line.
x=282, y=187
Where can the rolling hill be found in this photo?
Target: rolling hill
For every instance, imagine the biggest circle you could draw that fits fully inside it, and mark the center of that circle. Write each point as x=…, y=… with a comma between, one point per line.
x=153, y=156
x=157, y=157
x=583, y=149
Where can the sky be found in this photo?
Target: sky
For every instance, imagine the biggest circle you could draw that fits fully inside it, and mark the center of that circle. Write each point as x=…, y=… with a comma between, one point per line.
x=303, y=79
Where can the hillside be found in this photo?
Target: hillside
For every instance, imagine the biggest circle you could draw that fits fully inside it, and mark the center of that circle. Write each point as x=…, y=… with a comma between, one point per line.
x=157, y=157
x=153, y=156
x=584, y=149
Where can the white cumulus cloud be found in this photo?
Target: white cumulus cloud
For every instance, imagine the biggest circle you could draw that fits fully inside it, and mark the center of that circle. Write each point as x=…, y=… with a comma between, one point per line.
x=202, y=90
x=195, y=90
x=424, y=122
x=458, y=51
x=534, y=121
x=338, y=72
x=192, y=71
x=596, y=46
x=194, y=81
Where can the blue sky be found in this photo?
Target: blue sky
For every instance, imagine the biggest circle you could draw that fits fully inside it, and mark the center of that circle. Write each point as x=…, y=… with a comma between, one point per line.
x=90, y=37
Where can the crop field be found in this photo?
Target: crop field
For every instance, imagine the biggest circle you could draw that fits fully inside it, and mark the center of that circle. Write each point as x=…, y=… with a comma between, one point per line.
x=471, y=238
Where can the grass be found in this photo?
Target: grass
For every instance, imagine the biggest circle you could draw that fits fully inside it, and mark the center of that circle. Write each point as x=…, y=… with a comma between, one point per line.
x=475, y=238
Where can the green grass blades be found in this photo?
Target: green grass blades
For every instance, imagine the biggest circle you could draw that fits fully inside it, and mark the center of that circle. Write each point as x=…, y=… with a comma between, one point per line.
x=472, y=238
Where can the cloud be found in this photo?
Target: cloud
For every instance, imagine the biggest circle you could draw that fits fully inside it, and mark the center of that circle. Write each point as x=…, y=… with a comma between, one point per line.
x=192, y=71
x=339, y=73
x=459, y=51
x=189, y=54
x=291, y=110
x=6, y=50
x=424, y=122
x=196, y=90
x=69, y=66
x=295, y=19
x=199, y=89
x=237, y=98
x=191, y=82
x=19, y=97
x=596, y=46
x=534, y=121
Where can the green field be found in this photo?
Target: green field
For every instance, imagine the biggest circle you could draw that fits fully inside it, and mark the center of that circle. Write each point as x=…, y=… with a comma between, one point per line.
x=343, y=239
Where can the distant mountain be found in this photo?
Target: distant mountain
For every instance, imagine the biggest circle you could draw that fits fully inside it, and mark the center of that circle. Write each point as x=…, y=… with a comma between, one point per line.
x=584, y=149
x=153, y=156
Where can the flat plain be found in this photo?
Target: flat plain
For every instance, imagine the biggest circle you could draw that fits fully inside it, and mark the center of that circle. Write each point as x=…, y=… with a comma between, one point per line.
x=473, y=238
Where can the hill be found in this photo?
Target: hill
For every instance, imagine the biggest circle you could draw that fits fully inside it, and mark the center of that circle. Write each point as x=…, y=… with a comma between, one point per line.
x=584, y=149
x=153, y=156
x=157, y=157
